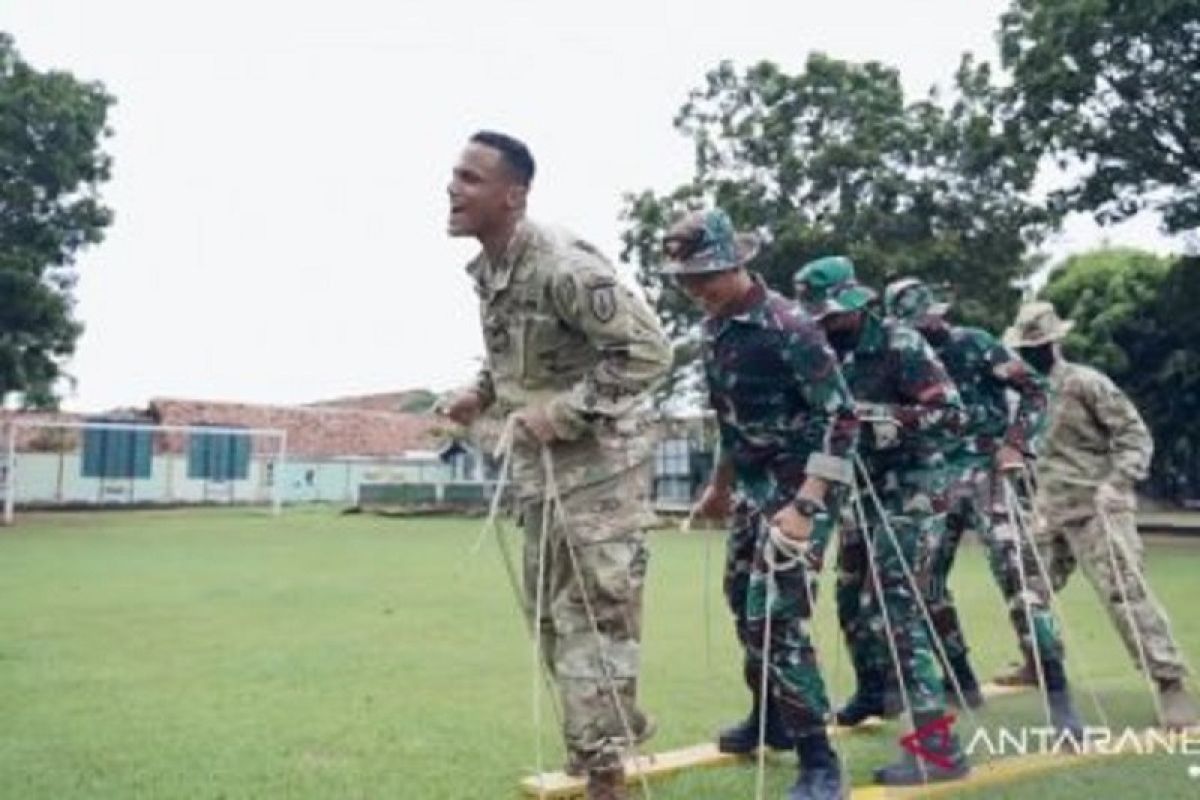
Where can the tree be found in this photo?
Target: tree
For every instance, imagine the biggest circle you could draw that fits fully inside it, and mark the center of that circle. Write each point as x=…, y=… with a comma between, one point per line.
x=833, y=160
x=1116, y=85
x=1135, y=319
x=51, y=167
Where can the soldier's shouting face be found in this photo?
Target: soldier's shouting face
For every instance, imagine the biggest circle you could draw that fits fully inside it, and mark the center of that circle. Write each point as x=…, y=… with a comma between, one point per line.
x=484, y=194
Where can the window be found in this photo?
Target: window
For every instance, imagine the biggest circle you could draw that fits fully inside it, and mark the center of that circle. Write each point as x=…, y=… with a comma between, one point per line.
x=218, y=455
x=111, y=452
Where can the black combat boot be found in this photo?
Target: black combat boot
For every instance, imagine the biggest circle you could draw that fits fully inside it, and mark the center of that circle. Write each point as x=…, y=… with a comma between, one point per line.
x=742, y=738
x=941, y=759
x=871, y=699
x=820, y=776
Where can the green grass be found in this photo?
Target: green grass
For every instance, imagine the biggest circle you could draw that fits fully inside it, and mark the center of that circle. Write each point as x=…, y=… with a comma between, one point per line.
x=231, y=655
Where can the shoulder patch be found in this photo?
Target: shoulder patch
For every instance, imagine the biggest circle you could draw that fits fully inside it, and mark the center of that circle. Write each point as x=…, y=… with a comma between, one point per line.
x=602, y=301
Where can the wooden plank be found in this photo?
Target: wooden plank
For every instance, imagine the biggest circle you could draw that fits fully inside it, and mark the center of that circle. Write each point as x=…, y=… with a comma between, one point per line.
x=656, y=765
x=651, y=765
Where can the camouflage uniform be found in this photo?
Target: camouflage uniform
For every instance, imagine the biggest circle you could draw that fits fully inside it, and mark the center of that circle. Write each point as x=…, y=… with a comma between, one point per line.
x=984, y=370
x=784, y=414
x=1095, y=438
x=563, y=333
x=911, y=410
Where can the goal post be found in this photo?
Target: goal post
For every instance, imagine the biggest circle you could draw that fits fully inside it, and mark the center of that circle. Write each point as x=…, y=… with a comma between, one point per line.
x=114, y=463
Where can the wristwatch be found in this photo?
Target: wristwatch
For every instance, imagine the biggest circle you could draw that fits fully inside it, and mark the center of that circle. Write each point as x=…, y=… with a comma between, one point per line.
x=807, y=507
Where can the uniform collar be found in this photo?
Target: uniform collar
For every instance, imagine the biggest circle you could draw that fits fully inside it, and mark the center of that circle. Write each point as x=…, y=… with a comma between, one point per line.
x=750, y=310
x=495, y=277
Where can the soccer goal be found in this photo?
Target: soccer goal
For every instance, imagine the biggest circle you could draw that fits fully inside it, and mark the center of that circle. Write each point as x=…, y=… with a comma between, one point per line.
x=116, y=463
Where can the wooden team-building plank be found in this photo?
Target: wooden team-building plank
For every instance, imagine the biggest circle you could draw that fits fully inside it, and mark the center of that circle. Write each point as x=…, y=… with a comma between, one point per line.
x=553, y=785
x=654, y=765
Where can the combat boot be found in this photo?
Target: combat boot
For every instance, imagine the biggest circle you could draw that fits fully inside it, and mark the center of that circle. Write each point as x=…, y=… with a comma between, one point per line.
x=742, y=738
x=942, y=759
x=607, y=784
x=872, y=698
x=820, y=777
x=1178, y=708
x=967, y=683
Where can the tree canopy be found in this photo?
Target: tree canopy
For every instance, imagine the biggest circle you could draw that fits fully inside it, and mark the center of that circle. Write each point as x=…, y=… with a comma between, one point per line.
x=1135, y=319
x=834, y=160
x=51, y=168
x=1111, y=88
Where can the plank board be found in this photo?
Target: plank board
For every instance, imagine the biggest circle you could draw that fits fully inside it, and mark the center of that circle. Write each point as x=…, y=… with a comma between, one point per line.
x=656, y=765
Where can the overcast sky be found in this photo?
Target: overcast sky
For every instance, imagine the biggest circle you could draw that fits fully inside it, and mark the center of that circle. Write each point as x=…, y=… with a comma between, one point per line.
x=280, y=167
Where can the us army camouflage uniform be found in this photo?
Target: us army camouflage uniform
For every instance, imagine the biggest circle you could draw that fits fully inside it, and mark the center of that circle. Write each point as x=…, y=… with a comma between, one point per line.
x=784, y=413
x=563, y=333
x=984, y=370
x=1096, y=436
x=893, y=369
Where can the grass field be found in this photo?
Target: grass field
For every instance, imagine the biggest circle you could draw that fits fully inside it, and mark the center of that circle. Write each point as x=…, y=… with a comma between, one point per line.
x=225, y=654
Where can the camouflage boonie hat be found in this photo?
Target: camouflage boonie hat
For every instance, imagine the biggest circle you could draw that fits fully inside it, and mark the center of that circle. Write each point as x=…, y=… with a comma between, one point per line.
x=828, y=286
x=909, y=299
x=705, y=241
x=1036, y=324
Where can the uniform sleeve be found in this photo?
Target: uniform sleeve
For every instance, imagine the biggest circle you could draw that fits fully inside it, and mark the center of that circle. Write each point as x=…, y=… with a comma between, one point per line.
x=815, y=370
x=634, y=353
x=1032, y=401
x=1131, y=445
x=932, y=402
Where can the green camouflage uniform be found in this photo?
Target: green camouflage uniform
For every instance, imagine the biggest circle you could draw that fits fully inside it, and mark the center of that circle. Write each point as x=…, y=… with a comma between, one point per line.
x=563, y=333
x=911, y=410
x=784, y=414
x=985, y=370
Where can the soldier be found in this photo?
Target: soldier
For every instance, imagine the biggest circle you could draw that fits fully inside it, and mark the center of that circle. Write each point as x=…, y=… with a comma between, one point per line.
x=787, y=426
x=910, y=409
x=1095, y=449
x=571, y=356
x=996, y=443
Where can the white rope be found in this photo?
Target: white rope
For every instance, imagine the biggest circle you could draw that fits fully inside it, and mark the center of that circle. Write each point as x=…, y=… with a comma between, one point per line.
x=889, y=632
x=1025, y=531
x=916, y=590
x=1034, y=647
x=764, y=700
x=538, y=664
x=1139, y=573
x=503, y=451
x=552, y=495
x=1134, y=631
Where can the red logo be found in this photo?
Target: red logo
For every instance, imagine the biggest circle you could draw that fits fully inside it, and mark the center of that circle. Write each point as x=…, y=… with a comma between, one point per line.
x=936, y=734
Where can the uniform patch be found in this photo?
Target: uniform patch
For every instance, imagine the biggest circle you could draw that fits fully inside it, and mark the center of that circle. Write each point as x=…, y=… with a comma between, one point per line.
x=602, y=301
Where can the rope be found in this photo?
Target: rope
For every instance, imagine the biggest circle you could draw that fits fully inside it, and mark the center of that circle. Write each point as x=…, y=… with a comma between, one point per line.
x=1025, y=534
x=1134, y=631
x=861, y=513
x=912, y=582
x=552, y=496
x=1034, y=646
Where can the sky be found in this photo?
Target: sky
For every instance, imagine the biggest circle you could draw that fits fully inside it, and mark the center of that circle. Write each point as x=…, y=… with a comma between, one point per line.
x=280, y=167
